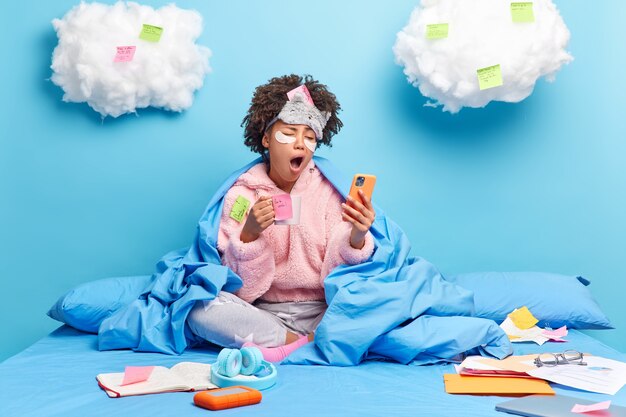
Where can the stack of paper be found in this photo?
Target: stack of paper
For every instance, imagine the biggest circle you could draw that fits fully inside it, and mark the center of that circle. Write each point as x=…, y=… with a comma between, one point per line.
x=602, y=375
x=513, y=366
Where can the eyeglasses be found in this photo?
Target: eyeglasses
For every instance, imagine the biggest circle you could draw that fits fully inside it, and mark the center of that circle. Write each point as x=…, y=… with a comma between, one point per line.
x=568, y=357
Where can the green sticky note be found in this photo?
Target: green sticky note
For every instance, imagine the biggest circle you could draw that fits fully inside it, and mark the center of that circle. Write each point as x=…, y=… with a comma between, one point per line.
x=522, y=12
x=437, y=31
x=489, y=77
x=240, y=208
x=151, y=33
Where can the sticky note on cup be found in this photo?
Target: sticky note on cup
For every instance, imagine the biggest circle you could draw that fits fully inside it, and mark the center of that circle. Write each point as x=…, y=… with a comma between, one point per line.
x=489, y=77
x=151, y=33
x=522, y=12
x=282, y=207
x=437, y=31
x=523, y=318
x=124, y=53
x=135, y=374
x=239, y=208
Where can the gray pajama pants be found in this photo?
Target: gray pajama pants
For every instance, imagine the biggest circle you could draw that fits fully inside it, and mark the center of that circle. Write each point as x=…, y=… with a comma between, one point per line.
x=229, y=321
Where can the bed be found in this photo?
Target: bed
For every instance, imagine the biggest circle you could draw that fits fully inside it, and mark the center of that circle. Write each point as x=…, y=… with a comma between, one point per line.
x=56, y=377
x=392, y=306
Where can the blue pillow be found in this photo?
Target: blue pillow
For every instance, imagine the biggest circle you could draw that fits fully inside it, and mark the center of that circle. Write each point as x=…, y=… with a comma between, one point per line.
x=555, y=300
x=87, y=305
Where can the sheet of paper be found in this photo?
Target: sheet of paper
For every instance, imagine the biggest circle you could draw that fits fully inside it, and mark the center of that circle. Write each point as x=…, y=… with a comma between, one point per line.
x=124, y=53
x=602, y=375
x=151, y=33
x=534, y=334
x=579, y=408
x=475, y=362
x=523, y=318
x=134, y=374
x=437, y=31
x=489, y=77
x=522, y=12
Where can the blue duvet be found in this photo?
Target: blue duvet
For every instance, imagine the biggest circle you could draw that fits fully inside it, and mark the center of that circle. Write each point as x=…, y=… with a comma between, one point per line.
x=392, y=307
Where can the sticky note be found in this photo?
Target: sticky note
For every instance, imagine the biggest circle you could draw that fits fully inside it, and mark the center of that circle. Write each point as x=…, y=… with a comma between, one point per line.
x=558, y=333
x=134, y=374
x=282, y=207
x=151, y=33
x=437, y=31
x=522, y=318
x=489, y=77
x=239, y=208
x=125, y=53
x=522, y=12
x=578, y=408
x=301, y=89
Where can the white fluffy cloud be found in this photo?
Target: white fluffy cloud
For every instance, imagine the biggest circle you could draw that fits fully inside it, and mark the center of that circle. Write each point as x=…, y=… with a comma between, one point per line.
x=481, y=33
x=161, y=74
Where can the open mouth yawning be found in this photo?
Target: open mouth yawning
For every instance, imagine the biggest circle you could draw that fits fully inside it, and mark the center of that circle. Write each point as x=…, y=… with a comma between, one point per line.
x=296, y=162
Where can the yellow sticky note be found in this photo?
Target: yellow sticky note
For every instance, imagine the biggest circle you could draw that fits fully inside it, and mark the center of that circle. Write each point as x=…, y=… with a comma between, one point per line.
x=239, y=208
x=522, y=12
x=523, y=318
x=489, y=77
x=151, y=33
x=437, y=31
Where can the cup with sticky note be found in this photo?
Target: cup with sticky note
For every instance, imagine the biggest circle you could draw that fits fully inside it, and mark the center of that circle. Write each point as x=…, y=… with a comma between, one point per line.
x=286, y=209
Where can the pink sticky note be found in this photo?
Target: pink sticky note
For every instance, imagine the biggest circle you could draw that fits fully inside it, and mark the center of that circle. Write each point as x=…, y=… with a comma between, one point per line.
x=134, y=374
x=591, y=407
x=124, y=53
x=282, y=207
x=558, y=333
x=302, y=89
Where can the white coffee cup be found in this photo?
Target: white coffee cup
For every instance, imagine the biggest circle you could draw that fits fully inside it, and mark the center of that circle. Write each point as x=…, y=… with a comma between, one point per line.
x=295, y=209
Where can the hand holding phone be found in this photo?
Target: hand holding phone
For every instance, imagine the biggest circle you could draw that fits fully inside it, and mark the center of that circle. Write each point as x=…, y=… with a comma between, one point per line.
x=358, y=209
x=364, y=182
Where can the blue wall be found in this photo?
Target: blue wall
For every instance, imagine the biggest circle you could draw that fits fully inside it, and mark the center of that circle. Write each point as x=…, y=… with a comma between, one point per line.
x=538, y=185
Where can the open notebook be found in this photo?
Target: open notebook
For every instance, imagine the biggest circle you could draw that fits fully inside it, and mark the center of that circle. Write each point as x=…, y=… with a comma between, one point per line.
x=184, y=376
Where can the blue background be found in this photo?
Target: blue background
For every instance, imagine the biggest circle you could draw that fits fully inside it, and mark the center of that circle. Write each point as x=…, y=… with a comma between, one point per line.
x=534, y=186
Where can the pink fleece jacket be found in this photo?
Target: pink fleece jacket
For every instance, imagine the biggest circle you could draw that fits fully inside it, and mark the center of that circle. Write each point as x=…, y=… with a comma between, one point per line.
x=289, y=262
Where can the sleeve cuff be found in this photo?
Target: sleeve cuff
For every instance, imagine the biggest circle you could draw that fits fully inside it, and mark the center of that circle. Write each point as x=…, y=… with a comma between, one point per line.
x=247, y=251
x=353, y=256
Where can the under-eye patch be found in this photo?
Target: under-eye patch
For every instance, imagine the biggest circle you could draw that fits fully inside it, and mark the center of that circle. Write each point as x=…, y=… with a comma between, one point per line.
x=282, y=138
x=310, y=143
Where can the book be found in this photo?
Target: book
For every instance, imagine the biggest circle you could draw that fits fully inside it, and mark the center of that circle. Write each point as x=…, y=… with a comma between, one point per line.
x=184, y=376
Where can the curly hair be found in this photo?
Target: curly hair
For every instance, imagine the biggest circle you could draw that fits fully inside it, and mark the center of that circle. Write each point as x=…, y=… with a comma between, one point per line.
x=269, y=99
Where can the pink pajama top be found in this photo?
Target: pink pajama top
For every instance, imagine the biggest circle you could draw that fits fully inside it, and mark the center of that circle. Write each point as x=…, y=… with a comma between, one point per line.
x=288, y=263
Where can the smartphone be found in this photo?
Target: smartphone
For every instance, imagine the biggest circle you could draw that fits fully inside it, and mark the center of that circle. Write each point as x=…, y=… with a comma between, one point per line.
x=363, y=182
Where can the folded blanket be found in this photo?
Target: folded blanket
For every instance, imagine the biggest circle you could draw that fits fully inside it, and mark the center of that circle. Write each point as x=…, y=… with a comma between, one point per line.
x=392, y=306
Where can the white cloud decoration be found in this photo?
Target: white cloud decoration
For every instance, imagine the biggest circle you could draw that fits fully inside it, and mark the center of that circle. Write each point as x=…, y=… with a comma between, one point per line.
x=102, y=60
x=526, y=39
